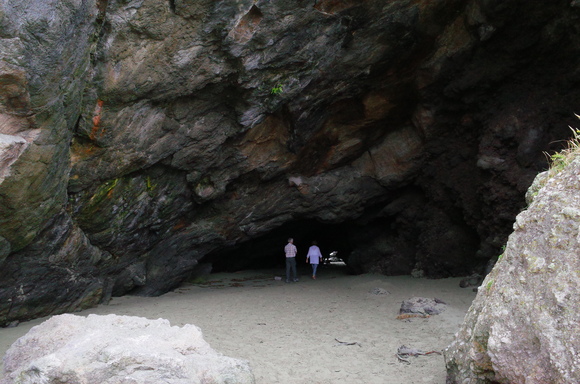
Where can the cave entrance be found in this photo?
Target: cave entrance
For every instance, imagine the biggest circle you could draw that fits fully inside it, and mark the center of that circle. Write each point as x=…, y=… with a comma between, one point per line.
x=267, y=252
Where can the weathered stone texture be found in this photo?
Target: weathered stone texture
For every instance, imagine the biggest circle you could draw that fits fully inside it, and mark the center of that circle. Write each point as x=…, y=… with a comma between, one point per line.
x=141, y=138
x=46, y=49
x=118, y=349
x=523, y=326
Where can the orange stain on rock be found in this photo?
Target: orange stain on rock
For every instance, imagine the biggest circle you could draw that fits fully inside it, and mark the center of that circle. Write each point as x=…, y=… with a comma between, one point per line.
x=97, y=120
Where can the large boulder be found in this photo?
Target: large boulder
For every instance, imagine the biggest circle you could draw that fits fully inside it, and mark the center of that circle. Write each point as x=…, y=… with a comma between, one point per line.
x=118, y=349
x=523, y=326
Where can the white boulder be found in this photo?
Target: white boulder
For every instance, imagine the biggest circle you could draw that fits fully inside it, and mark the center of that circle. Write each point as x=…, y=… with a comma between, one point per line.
x=118, y=350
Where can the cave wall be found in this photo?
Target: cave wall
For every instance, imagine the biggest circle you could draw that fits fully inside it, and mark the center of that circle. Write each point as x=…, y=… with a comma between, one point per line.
x=142, y=138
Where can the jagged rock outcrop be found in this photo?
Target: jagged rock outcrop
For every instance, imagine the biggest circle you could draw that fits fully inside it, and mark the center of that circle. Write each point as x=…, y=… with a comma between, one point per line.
x=141, y=138
x=523, y=324
x=118, y=349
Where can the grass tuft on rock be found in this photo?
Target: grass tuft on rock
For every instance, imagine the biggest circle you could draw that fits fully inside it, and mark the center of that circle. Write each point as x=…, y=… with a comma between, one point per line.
x=559, y=160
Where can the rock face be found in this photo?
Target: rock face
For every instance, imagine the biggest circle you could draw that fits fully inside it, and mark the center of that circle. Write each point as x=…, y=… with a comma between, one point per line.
x=140, y=138
x=523, y=324
x=118, y=349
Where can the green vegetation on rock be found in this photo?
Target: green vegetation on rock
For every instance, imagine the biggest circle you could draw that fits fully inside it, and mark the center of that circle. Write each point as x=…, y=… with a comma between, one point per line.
x=276, y=90
x=559, y=160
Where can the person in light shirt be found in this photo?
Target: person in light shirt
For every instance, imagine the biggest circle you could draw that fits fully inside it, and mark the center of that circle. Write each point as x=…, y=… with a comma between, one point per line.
x=314, y=256
x=291, y=251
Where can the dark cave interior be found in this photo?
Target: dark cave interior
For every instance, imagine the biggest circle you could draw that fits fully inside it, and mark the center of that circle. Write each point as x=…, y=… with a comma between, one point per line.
x=268, y=251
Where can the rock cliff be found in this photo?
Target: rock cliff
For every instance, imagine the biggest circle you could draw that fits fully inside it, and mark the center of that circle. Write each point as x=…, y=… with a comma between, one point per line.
x=523, y=325
x=142, y=139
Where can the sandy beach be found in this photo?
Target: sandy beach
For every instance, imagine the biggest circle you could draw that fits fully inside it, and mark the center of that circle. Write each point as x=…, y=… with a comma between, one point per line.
x=291, y=332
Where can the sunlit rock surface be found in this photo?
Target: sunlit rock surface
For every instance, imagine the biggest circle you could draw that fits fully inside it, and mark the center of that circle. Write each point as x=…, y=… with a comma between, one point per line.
x=523, y=325
x=118, y=349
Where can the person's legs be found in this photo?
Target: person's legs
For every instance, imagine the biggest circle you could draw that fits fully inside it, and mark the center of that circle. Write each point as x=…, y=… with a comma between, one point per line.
x=314, y=267
x=288, y=267
x=293, y=265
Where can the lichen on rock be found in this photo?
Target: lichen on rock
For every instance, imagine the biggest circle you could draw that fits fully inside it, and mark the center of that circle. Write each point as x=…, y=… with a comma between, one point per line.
x=523, y=325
